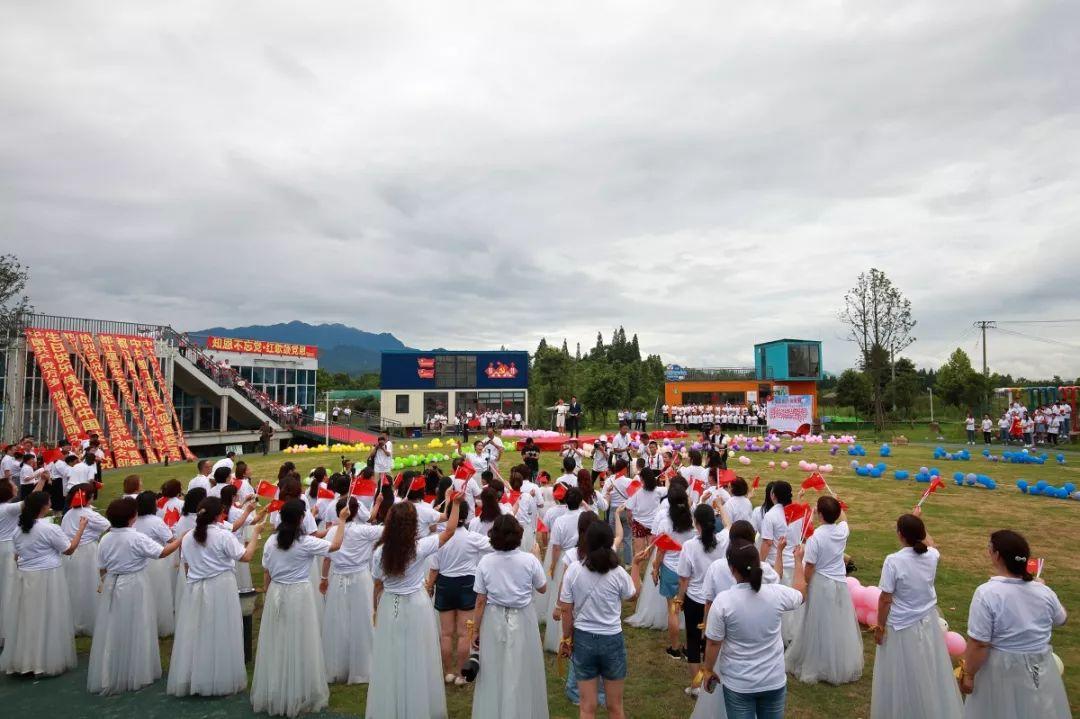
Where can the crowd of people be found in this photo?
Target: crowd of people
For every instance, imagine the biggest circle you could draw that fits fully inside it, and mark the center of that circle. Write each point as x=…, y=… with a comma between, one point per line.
x=739, y=417
x=1044, y=425
x=420, y=581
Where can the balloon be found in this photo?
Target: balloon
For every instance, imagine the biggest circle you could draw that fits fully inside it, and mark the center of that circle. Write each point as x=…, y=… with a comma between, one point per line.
x=853, y=587
x=1059, y=664
x=1022, y=485
x=955, y=643
x=861, y=614
x=924, y=470
x=744, y=460
x=870, y=598
x=772, y=463
x=784, y=464
x=872, y=618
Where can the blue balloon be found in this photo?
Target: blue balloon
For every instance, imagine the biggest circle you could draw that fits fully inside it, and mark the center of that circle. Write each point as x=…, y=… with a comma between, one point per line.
x=986, y=453
x=1042, y=484
x=958, y=476
x=1022, y=484
x=990, y=484
x=935, y=470
x=959, y=480
x=1070, y=487
x=1034, y=490
x=881, y=466
x=922, y=477
x=875, y=473
x=1060, y=458
x=901, y=474
x=1062, y=494
x=1007, y=455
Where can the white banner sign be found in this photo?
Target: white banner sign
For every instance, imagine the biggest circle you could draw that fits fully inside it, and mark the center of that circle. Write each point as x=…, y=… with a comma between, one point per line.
x=792, y=413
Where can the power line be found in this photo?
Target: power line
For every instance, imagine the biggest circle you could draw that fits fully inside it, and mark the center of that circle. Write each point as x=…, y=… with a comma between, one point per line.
x=1036, y=322
x=1047, y=340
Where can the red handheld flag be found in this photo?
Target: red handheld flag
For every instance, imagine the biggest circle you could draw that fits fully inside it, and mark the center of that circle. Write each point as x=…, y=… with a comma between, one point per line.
x=419, y=483
x=633, y=487
x=540, y=526
x=666, y=543
x=814, y=481
x=795, y=511
x=238, y=483
x=725, y=477
x=362, y=487
x=935, y=484
x=172, y=516
x=559, y=492
x=1035, y=567
x=697, y=486
x=465, y=470
x=275, y=506
x=266, y=490
x=808, y=525
x=161, y=502
x=79, y=500
x=755, y=483
x=325, y=493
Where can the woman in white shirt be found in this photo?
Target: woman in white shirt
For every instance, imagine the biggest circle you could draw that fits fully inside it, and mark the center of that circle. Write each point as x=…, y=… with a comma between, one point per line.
x=828, y=647
x=739, y=506
x=290, y=673
x=160, y=572
x=210, y=608
x=348, y=631
x=526, y=508
x=9, y=525
x=774, y=525
x=913, y=675
x=697, y=555
x=743, y=633
x=642, y=508
x=676, y=523
x=511, y=683
x=81, y=567
x=39, y=636
x=591, y=598
x=124, y=655
x=188, y=513
x=1009, y=668
x=406, y=682
x=969, y=427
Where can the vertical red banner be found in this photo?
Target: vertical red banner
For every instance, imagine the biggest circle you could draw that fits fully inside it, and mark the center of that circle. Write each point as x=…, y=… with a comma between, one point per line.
x=116, y=371
x=161, y=414
x=80, y=404
x=50, y=374
x=148, y=347
x=161, y=444
x=125, y=451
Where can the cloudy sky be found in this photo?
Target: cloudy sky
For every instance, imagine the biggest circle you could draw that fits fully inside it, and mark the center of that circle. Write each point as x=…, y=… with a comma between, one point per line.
x=476, y=174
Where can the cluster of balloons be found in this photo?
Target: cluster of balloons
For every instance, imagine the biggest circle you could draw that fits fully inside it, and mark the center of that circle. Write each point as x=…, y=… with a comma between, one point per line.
x=959, y=456
x=1044, y=488
x=783, y=464
x=1026, y=457
x=526, y=433
x=814, y=467
x=870, y=470
x=971, y=479
x=865, y=601
x=856, y=450
x=808, y=439
x=304, y=449
x=842, y=439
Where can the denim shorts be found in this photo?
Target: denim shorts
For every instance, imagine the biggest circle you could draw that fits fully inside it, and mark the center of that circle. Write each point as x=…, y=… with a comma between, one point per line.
x=455, y=593
x=599, y=655
x=669, y=582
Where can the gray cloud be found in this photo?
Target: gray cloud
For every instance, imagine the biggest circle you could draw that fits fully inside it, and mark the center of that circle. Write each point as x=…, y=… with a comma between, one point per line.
x=486, y=176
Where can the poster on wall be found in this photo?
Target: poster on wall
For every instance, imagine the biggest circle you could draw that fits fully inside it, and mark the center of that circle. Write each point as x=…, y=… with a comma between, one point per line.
x=790, y=413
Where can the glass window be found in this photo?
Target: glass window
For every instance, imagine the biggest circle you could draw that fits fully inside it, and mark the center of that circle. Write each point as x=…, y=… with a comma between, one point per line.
x=455, y=371
x=257, y=375
x=401, y=403
x=465, y=402
x=290, y=395
x=290, y=376
x=435, y=403
x=804, y=360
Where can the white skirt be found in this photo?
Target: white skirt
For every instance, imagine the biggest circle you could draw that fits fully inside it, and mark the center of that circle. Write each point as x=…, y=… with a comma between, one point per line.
x=161, y=573
x=124, y=655
x=180, y=592
x=651, y=611
x=711, y=706
x=208, y=647
x=314, y=576
x=791, y=622
x=544, y=603
x=406, y=680
x=828, y=647
x=290, y=676
x=81, y=571
x=553, y=629
x=913, y=675
x=528, y=538
x=7, y=577
x=511, y=683
x=1018, y=685
x=347, y=631
x=40, y=636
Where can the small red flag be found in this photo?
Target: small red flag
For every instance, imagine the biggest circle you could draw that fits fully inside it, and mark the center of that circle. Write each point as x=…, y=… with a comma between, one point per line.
x=633, y=487
x=666, y=543
x=697, y=486
x=843, y=505
x=756, y=482
x=559, y=492
x=238, y=483
x=266, y=490
x=79, y=500
x=814, y=481
x=161, y=502
x=362, y=487
x=275, y=506
x=429, y=498
x=1035, y=567
x=808, y=525
x=464, y=471
x=540, y=526
x=795, y=511
x=325, y=493
x=172, y=516
x=725, y=477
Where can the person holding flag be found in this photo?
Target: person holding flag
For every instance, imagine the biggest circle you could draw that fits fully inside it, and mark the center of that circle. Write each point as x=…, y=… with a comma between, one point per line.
x=828, y=647
x=615, y=489
x=791, y=521
x=673, y=528
x=81, y=567
x=697, y=555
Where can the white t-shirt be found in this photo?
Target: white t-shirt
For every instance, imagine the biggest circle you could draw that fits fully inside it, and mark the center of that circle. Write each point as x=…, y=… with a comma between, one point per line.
x=412, y=579
x=774, y=526
x=909, y=578
x=564, y=532
x=663, y=526
x=739, y=508
x=153, y=527
x=198, y=481
x=694, y=563
x=642, y=506
x=987, y=425
x=1014, y=616
x=220, y=553
x=426, y=516
x=618, y=486
x=223, y=462
x=509, y=578
x=384, y=459
x=293, y=565
x=748, y=624
x=969, y=424
x=41, y=547
x=9, y=467
x=597, y=598
x=620, y=445
x=126, y=550
x=356, y=548
x=719, y=578
x=96, y=525
x=81, y=473
x=552, y=515
x=308, y=523
x=461, y=553
x=9, y=520
x=527, y=510
x=825, y=550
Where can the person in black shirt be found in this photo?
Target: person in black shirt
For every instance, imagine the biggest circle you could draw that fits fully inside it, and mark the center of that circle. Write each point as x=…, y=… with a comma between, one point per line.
x=530, y=455
x=573, y=424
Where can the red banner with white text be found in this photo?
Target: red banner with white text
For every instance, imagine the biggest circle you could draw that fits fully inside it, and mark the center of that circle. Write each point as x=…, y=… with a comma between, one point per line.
x=114, y=363
x=161, y=415
x=174, y=418
x=50, y=374
x=125, y=450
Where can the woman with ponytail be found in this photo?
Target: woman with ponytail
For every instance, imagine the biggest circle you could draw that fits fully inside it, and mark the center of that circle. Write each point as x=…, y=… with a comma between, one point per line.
x=697, y=555
x=9, y=526
x=290, y=672
x=743, y=632
x=160, y=572
x=185, y=524
x=1009, y=668
x=39, y=636
x=676, y=523
x=643, y=508
x=81, y=567
x=913, y=675
x=210, y=608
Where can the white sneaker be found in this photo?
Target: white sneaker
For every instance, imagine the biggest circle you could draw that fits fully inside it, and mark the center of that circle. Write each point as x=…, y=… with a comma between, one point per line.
x=460, y=682
x=691, y=692
x=449, y=678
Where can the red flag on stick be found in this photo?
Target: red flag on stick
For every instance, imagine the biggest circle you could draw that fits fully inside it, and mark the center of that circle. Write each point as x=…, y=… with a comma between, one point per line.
x=725, y=477
x=266, y=490
x=935, y=485
x=362, y=487
x=756, y=482
x=540, y=526
x=172, y=516
x=325, y=493
x=814, y=481
x=465, y=470
x=275, y=506
x=666, y=543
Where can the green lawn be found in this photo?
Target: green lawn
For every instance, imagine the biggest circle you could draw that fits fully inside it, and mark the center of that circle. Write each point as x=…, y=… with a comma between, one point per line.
x=959, y=518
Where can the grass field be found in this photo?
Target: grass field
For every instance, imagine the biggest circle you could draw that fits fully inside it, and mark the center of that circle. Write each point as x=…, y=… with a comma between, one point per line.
x=959, y=518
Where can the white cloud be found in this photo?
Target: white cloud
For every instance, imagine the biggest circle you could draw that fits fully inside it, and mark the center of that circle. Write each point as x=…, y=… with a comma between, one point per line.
x=482, y=174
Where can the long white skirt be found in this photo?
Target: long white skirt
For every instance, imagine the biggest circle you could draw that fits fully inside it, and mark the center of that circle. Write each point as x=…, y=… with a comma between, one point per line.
x=7, y=577
x=161, y=574
x=828, y=647
x=1006, y=687
x=791, y=622
x=347, y=631
x=511, y=683
x=208, y=648
x=406, y=680
x=180, y=592
x=553, y=629
x=913, y=675
x=545, y=603
x=314, y=576
x=528, y=539
x=711, y=706
x=81, y=571
x=651, y=611
x=124, y=655
x=290, y=676
x=40, y=636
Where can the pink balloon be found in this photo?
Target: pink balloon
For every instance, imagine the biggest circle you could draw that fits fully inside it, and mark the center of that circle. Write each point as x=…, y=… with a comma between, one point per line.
x=784, y=464
x=861, y=615
x=955, y=643
x=772, y=463
x=870, y=597
x=871, y=618
x=853, y=586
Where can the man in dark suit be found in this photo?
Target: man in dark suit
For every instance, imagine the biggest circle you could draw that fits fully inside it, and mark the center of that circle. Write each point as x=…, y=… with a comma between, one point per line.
x=573, y=423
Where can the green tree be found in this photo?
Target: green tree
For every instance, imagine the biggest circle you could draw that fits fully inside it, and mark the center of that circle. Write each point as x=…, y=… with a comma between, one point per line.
x=13, y=303
x=605, y=390
x=853, y=390
x=905, y=386
x=958, y=383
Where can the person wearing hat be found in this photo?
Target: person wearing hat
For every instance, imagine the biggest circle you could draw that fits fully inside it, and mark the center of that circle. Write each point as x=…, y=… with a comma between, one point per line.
x=600, y=463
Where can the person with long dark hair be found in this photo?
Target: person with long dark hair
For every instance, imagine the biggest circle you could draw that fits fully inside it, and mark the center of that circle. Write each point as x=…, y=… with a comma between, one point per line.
x=9, y=525
x=564, y=539
x=188, y=513
x=159, y=572
x=210, y=608
x=406, y=681
x=643, y=509
x=39, y=635
x=290, y=672
x=913, y=674
x=1009, y=668
x=591, y=599
x=511, y=682
x=81, y=567
x=124, y=654
x=744, y=639
x=697, y=555
x=677, y=525
x=774, y=525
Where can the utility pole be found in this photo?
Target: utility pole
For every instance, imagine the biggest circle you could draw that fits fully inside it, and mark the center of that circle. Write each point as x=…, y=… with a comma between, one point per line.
x=984, y=325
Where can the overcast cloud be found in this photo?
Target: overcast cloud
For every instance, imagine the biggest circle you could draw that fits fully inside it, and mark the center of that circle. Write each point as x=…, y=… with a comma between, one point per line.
x=469, y=175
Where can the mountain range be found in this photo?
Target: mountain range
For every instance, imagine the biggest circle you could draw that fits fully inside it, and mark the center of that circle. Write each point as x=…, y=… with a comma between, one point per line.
x=341, y=348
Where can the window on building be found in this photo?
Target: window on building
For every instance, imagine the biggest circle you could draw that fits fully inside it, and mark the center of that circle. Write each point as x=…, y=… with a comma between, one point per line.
x=401, y=403
x=455, y=371
x=804, y=360
x=435, y=403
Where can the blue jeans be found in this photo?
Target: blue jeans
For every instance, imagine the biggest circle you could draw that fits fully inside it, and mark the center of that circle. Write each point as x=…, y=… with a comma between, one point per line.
x=756, y=705
x=599, y=655
x=574, y=695
x=628, y=538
